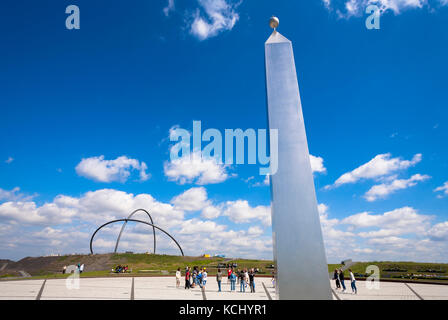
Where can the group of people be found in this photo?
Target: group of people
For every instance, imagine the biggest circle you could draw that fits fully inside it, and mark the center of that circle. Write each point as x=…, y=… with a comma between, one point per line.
x=121, y=269
x=198, y=277
x=79, y=268
x=338, y=277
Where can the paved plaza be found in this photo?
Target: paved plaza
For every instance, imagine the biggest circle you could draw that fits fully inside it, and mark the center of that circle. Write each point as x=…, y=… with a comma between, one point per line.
x=155, y=288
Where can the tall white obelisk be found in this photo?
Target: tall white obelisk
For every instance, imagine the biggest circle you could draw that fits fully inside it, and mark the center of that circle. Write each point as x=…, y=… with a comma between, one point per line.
x=302, y=271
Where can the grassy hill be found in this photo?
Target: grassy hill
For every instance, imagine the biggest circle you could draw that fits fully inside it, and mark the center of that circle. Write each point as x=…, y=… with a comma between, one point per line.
x=150, y=264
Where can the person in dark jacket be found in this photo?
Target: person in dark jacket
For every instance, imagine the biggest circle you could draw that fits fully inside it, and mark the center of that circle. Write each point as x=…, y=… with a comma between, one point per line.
x=252, y=280
x=341, y=279
x=336, y=279
x=219, y=279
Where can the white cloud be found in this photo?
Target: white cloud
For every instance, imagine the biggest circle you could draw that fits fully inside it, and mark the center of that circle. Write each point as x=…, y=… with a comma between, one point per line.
x=399, y=221
x=30, y=213
x=98, y=169
x=378, y=167
x=9, y=160
x=193, y=199
x=439, y=232
x=350, y=8
x=169, y=8
x=14, y=195
x=196, y=169
x=211, y=212
x=241, y=212
x=196, y=226
x=443, y=188
x=385, y=189
x=317, y=164
x=213, y=17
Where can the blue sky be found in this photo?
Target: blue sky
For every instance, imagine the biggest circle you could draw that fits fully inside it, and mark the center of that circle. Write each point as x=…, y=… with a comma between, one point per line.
x=86, y=115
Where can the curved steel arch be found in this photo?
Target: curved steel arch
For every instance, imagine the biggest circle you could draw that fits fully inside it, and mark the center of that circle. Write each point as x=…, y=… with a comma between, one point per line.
x=124, y=225
x=133, y=220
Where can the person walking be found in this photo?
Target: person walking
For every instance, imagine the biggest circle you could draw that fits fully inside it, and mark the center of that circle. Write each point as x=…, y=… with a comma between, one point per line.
x=64, y=269
x=341, y=279
x=178, y=276
x=219, y=279
x=199, y=278
x=353, y=282
x=195, y=277
x=232, y=281
x=252, y=280
x=187, y=278
x=229, y=272
x=246, y=278
x=336, y=279
x=204, y=277
x=242, y=277
x=81, y=268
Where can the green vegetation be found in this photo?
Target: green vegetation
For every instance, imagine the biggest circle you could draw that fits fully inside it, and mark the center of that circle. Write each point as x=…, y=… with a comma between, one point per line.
x=156, y=265
x=401, y=270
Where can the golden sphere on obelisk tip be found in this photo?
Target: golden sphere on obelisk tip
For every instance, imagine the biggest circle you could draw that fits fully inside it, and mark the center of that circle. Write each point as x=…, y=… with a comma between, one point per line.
x=274, y=22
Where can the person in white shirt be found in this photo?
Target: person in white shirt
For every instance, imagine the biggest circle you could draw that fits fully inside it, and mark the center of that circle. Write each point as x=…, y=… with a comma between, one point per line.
x=81, y=268
x=353, y=282
x=178, y=275
x=204, y=278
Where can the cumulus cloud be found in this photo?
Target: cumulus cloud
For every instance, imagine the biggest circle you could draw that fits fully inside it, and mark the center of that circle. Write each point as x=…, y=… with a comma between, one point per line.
x=101, y=170
x=14, y=195
x=439, y=232
x=385, y=189
x=351, y=8
x=196, y=169
x=378, y=167
x=213, y=17
x=241, y=212
x=317, y=164
x=443, y=188
x=193, y=199
x=396, y=222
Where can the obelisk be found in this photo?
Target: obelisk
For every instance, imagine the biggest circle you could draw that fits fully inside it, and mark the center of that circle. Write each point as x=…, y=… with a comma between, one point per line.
x=301, y=264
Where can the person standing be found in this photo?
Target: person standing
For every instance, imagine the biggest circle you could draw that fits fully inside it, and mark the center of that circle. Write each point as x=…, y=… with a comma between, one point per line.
x=187, y=278
x=178, y=276
x=64, y=269
x=229, y=272
x=353, y=282
x=204, y=278
x=341, y=279
x=232, y=281
x=242, y=277
x=246, y=278
x=336, y=279
x=219, y=279
x=252, y=280
x=81, y=268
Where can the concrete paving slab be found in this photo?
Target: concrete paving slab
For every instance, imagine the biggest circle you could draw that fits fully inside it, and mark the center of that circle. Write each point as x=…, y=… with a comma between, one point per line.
x=387, y=291
x=430, y=291
x=89, y=289
x=20, y=289
x=211, y=291
x=156, y=288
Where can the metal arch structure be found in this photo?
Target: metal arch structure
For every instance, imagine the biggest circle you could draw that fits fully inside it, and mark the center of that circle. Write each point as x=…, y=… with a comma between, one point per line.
x=134, y=220
x=125, y=223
